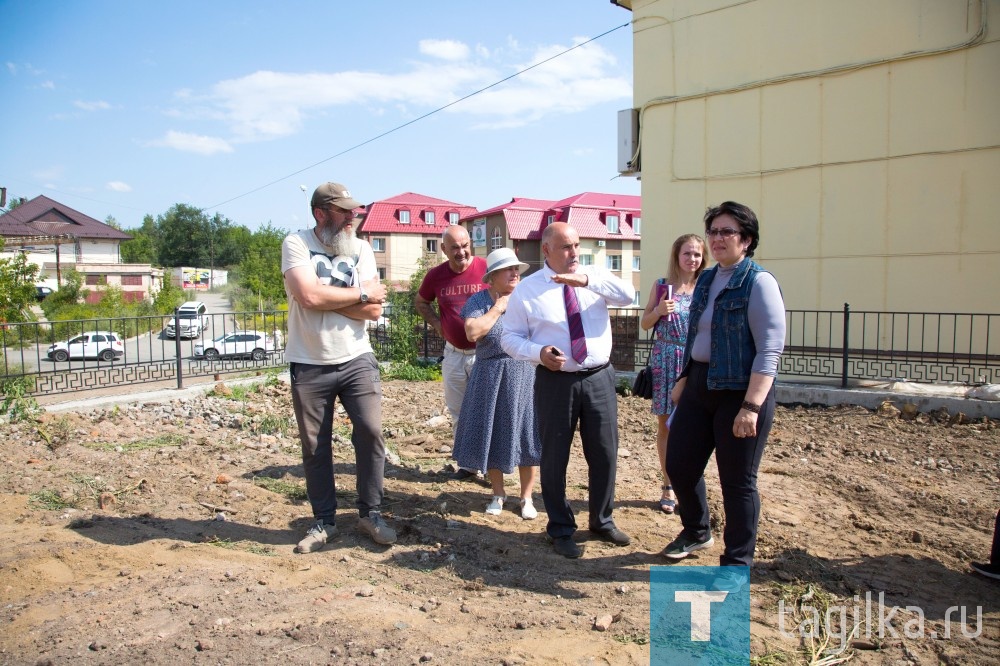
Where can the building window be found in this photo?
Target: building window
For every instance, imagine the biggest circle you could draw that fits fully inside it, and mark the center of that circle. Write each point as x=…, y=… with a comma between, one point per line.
x=635, y=301
x=381, y=273
x=378, y=245
x=452, y=218
x=549, y=219
x=635, y=264
x=428, y=217
x=131, y=280
x=431, y=245
x=637, y=225
x=614, y=262
x=94, y=280
x=496, y=241
x=404, y=217
x=586, y=260
x=612, y=222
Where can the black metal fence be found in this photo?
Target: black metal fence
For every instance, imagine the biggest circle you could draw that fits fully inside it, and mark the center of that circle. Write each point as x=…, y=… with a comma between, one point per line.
x=837, y=345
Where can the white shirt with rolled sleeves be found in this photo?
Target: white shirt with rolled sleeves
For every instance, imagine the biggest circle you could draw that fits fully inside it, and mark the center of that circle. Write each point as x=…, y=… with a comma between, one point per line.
x=536, y=316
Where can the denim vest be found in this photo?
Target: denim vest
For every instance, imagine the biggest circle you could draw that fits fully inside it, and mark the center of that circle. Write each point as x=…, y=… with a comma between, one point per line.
x=733, y=350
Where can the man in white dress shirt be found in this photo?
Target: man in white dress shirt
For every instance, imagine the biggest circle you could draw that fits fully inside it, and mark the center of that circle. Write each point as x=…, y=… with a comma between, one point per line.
x=558, y=319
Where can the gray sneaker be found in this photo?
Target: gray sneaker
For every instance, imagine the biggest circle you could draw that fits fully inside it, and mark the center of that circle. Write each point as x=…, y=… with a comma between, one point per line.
x=375, y=527
x=316, y=537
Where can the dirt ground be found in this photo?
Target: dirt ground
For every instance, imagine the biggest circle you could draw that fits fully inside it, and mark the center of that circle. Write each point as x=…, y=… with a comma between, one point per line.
x=163, y=534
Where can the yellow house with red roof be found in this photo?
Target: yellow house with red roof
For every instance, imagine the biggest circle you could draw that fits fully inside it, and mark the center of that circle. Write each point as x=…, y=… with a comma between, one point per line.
x=406, y=228
x=609, y=225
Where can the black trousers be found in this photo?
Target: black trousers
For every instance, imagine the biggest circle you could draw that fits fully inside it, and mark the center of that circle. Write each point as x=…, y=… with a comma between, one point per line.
x=563, y=400
x=703, y=423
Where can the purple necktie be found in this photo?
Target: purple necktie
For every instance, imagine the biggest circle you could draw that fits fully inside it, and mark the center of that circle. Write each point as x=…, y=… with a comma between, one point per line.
x=577, y=339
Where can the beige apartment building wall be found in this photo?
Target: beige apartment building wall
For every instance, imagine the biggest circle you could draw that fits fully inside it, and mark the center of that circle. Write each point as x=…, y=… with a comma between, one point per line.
x=866, y=136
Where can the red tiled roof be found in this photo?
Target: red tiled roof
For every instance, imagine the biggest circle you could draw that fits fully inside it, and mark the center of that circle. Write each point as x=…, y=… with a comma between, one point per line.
x=383, y=216
x=44, y=217
x=525, y=218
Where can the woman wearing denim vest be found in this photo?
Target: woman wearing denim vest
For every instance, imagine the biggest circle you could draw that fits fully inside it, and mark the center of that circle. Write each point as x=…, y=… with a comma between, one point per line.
x=725, y=396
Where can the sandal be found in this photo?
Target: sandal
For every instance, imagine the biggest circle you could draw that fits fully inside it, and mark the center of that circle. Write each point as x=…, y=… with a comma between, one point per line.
x=667, y=506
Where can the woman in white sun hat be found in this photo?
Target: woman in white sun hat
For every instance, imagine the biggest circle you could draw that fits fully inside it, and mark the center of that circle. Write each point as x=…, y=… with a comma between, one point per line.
x=496, y=427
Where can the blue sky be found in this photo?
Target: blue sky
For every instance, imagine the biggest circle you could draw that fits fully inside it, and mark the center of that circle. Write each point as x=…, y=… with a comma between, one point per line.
x=126, y=108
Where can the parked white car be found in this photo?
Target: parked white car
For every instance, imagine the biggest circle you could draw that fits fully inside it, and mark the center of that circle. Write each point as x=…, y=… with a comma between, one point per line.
x=254, y=344
x=191, y=317
x=105, y=345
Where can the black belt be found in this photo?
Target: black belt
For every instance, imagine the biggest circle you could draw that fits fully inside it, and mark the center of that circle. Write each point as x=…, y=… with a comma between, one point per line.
x=585, y=371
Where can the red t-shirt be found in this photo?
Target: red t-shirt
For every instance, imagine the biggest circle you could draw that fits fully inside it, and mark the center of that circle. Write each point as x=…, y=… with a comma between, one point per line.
x=452, y=290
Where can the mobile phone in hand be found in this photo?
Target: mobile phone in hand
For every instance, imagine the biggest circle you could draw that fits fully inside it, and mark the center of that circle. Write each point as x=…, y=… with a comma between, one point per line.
x=555, y=350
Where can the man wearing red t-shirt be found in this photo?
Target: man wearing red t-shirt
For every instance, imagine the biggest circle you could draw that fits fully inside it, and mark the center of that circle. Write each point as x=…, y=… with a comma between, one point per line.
x=451, y=283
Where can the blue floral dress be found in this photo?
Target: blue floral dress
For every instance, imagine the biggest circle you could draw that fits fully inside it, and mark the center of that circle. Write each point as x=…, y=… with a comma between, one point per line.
x=667, y=356
x=496, y=427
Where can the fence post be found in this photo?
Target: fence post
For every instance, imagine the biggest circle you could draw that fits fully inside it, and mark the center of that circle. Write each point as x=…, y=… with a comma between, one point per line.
x=847, y=336
x=177, y=347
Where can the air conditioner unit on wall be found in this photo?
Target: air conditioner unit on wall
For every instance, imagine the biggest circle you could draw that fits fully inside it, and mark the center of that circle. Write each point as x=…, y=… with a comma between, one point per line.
x=601, y=243
x=628, y=142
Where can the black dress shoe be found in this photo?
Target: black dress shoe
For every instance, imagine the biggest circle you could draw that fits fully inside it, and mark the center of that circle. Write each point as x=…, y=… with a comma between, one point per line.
x=566, y=547
x=614, y=535
x=461, y=474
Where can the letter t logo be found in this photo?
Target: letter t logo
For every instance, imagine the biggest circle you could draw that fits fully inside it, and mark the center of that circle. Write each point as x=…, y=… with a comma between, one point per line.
x=701, y=610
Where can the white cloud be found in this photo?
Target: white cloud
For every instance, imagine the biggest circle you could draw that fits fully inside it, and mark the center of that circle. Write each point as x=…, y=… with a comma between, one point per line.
x=268, y=105
x=445, y=49
x=51, y=173
x=11, y=67
x=192, y=143
x=49, y=85
x=119, y=186
x=91, y=106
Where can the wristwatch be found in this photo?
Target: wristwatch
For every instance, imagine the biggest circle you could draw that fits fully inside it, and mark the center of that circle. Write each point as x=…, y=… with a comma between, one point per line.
x=364, y=295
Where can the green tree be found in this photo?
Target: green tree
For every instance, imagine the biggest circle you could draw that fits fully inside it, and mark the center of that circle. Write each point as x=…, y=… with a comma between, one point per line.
x=68, y=295
x=260, y=270
x=184, y=237
x=231, y=244
x=142, y=249
x=17, y=287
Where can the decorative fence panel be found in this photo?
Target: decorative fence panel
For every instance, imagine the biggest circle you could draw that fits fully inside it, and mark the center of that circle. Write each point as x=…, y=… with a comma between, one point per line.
x=838, y=345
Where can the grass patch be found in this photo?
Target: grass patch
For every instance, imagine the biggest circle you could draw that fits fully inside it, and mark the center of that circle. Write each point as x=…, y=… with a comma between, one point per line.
x=411, y=373
x=273, y=424
x=807, y=607
x=50, y=501
x=292, y=491
x=635, y=638
x=244, y=545
x=157, y=442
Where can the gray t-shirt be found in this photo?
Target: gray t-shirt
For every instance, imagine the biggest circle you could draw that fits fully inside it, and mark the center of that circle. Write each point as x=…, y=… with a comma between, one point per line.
x=324, y=337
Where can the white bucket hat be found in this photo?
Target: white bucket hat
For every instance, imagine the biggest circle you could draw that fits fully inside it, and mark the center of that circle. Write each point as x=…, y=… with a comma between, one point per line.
x=500, y=259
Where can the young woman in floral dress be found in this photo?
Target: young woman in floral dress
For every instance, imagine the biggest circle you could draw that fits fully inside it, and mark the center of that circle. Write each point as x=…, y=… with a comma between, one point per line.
x=667, y=313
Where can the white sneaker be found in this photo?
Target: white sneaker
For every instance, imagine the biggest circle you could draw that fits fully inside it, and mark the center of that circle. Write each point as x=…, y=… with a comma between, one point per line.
x=316, y=537
x=528, y=510
x=495, y=507
x=375, y=527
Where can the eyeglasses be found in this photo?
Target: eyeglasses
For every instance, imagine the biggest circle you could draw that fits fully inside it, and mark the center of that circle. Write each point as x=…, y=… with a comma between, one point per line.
x=347, y=214
x=724, y=232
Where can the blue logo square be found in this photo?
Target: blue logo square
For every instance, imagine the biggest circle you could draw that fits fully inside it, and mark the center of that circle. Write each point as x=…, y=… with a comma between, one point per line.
x=699, y=616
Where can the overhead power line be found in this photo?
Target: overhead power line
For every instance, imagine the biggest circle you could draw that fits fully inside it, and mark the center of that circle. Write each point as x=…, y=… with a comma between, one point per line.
x=417, y=119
